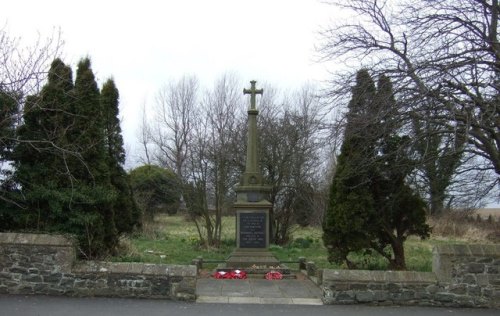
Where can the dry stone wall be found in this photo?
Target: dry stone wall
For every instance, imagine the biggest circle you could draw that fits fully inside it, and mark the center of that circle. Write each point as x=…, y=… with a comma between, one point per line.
x=46, y=264
x=463, y=275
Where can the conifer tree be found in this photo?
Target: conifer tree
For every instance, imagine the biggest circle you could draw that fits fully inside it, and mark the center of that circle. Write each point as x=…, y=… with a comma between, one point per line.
x=87, y=133
x=400, y=210
x=127, y=215
x=8, y=110
x=350, y=213
x=69, y=149
x=8, y=113
x=371, y=206
x=92, y=214
x=42, y=149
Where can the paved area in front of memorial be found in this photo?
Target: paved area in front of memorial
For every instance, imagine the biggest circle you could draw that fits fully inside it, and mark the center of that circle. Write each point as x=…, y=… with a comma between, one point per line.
x=258, y=291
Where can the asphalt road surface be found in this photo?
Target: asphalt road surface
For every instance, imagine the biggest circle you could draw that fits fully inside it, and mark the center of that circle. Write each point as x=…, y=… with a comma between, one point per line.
x=16, y=305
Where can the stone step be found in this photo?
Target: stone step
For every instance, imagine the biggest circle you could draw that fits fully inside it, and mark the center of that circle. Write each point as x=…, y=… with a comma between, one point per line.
x=260, y=272
x=291, y=276
x=299, y=291
x=245, y=258
x=258, y=300
x=252, y=254
x=246, y=262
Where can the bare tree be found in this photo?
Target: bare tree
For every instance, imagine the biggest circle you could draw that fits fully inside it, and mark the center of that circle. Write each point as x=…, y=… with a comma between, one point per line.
x=212, y=152
x=23, y=71
x=444, y=59
x=198, y=139
x=222, y=107
x=175, y=109
x=198, y=182
x=168, y=139
x=291, y=147
x=144, y=137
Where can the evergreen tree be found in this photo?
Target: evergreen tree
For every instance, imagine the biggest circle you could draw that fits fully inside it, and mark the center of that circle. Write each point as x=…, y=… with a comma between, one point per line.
x=87, y=134
x=371, y=206
x=8, y=110
x=400, y=209
x=127, y=215
x=41, y=152
x=61, y=161
x=350, y=215
x=68, y=162
x=8, y=113
x=92, y=213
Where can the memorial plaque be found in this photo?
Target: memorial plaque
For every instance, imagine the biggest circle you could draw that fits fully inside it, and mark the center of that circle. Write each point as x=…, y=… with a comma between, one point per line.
x=252, y=229
x=253, y=197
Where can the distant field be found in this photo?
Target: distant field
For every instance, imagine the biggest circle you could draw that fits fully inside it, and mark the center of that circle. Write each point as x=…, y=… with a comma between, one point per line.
x=172, y=239
x=485, y=212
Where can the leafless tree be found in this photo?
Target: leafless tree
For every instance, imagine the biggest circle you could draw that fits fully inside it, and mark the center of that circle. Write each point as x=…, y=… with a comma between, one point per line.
x=23, y=70
x=222, y=106
x=197, y=137
x=175, y=110
x=444, y=59
x=197, y=182
x=213, y=151
x=291, y=144
x=144, y=137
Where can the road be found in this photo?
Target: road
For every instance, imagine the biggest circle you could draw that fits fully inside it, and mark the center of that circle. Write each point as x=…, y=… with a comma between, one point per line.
x=16, y=305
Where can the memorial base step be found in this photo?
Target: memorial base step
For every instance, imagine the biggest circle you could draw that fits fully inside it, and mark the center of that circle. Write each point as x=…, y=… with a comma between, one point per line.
x=260, y=272
x=242, y=258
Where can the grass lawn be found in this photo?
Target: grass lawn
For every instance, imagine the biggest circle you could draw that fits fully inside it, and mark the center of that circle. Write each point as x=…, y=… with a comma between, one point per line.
x=174, y=240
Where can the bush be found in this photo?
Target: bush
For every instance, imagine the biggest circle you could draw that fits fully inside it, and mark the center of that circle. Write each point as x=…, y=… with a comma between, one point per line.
x=156, y=190
x=302, y=242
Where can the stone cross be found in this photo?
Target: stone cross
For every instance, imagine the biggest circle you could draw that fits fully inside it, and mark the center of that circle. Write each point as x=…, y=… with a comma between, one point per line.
x=253, y=224
x=252, y=92
x=251, y=167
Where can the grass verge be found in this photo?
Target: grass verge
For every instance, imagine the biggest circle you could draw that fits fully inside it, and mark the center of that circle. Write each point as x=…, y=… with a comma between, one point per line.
x=172, y=239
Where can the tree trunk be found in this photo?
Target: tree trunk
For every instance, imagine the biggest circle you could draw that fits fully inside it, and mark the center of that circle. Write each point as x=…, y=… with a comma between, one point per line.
x=437, y=196
x=350, y=265
x=399, y=261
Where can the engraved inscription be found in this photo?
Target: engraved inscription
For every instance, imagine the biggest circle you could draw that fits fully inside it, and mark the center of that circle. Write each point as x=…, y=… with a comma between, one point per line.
x=252, y=230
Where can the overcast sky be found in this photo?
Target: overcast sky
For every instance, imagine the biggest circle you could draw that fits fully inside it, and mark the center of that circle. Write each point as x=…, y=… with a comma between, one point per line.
x=144, y=44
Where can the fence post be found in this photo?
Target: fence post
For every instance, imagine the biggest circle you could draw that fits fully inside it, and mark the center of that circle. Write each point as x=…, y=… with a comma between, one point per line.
x=302, y=263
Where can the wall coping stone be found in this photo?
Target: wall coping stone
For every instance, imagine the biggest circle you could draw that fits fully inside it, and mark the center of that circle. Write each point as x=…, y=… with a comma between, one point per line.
x=475, y=250
x=36, y=239
x=463, y=275
x=379, y=276
x=135, y=268
x=46, y=264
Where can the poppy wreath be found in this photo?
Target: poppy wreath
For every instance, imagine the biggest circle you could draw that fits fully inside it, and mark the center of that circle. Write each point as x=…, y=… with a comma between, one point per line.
x=221, y=275
x=274, y=275
x=236, y=274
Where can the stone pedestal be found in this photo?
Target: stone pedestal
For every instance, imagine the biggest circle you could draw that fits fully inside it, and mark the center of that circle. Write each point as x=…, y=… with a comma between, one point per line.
x=252, y=236
x=253, y=227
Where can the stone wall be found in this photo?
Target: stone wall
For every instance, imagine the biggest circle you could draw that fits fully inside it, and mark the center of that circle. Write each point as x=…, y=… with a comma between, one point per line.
x=469, y=273
x=46, y=264
x=463, y=275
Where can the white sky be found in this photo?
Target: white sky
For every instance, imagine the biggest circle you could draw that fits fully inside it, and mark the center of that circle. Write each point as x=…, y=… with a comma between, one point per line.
x=144, y=44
